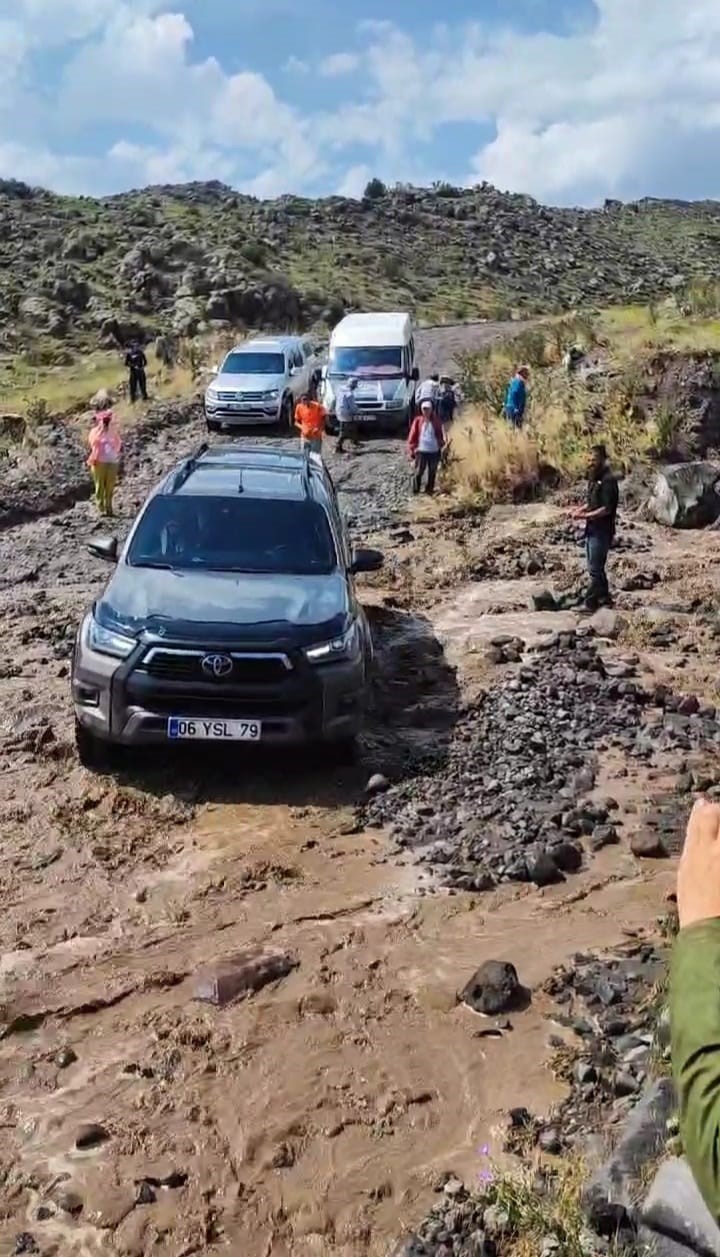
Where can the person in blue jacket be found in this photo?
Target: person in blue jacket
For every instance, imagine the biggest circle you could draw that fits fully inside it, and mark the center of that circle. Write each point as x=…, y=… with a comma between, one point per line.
x=516, y=397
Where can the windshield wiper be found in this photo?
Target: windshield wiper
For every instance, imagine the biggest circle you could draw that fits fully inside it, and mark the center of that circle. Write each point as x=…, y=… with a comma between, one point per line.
x=160, y=567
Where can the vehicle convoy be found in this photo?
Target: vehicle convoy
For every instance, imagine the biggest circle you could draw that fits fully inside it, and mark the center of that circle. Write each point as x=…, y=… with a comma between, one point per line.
x=260, y=381
x=231, y=615
x=378, y=350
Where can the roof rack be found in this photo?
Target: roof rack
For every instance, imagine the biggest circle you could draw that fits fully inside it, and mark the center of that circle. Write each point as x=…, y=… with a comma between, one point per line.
x=186, y=469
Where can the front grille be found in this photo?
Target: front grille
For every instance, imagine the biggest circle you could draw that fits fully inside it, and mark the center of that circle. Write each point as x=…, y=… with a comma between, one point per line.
x=169, y=665
x=229, y=397
x=216, y=706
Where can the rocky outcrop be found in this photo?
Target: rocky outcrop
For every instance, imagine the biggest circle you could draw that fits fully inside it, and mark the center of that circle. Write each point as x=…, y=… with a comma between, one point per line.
x=685, y=495
x=150, y=253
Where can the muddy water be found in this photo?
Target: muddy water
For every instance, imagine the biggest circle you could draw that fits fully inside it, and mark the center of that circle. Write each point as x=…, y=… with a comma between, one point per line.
x=316, y=1116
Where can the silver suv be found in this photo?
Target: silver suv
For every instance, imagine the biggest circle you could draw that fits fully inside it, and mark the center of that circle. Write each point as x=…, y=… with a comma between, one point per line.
x=260, y=382
x=231, y=615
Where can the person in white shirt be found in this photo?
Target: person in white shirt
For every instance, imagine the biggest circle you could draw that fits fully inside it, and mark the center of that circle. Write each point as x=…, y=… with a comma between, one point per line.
x=429, y=391
x=425, y=445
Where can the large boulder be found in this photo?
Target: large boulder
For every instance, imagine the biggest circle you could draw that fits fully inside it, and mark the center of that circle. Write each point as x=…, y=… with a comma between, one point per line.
x=494, y=988
x=674, y=1219
x=685, y=495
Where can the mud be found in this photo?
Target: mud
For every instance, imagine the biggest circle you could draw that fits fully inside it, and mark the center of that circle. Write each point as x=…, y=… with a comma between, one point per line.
x=316, y=1115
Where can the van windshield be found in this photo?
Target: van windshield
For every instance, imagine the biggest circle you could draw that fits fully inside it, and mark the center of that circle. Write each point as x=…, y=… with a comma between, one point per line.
x=375, y=360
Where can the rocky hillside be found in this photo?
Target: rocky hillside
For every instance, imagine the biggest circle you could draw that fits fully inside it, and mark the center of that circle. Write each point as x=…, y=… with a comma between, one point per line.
x=83, y=271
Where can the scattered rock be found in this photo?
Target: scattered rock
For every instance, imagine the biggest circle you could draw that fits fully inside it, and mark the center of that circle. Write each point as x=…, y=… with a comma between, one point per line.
x=377, y=785
x=647, y=845
x=65, y=1058
x=242, y=974
x=494, y=988
x=91, y=1136
x=70, y=1201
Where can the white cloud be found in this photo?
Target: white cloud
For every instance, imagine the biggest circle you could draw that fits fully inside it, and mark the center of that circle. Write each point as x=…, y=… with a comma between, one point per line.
x=339, y=64
x=354, y=182
x=622, y=106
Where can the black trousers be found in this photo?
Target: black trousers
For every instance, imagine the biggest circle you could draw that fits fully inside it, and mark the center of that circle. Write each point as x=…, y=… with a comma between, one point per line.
x=138, y=385
x=425, y=463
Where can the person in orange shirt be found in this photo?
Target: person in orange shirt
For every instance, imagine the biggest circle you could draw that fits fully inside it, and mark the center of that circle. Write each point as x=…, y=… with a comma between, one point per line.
x=310, y=418
x=105, y=446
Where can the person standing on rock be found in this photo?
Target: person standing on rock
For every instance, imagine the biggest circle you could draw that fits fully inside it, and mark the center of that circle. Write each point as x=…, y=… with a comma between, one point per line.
x=425, y=445
x=103, y=461
x=310, y=420
x=347, y=417
x=695, y=1000
x=136, y=363
x=516, y=397
x=599, y=516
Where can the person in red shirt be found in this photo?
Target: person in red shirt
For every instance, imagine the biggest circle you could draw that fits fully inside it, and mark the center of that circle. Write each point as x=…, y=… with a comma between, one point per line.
x=425, y=445
x=310, y=420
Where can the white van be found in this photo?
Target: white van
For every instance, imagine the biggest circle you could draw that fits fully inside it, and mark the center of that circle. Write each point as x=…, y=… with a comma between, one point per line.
x=378, y=350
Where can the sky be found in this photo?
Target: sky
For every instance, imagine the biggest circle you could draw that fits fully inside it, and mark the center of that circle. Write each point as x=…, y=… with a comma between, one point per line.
x=570, y=101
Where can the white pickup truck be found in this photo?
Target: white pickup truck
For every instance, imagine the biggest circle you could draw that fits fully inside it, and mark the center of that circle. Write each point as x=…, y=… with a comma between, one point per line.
x=260, y=381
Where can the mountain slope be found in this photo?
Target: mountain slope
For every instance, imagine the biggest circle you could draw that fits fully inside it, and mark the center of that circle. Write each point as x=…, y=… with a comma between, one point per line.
x=79, y=270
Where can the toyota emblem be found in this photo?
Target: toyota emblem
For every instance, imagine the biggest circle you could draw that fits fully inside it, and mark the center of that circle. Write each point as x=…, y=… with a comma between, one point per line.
x=217, y=666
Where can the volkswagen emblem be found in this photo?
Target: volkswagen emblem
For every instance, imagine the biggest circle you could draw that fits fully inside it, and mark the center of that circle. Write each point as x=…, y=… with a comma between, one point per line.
x=217, y=666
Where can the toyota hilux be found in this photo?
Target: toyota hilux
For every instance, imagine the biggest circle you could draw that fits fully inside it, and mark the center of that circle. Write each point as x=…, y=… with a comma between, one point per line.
x=231, y=614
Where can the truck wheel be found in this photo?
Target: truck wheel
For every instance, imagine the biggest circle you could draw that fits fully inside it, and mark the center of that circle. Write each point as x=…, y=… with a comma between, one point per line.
x=92, y=752
x=286, y=415
x=213, y=425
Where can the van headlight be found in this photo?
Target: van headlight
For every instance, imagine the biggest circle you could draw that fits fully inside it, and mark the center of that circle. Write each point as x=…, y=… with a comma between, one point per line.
x=108, y=641
x=339, y=650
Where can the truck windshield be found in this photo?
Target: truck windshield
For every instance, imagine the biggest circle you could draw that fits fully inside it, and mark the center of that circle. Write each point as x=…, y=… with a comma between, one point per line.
x=234, y=535
x=253, y=364
x=374, y=360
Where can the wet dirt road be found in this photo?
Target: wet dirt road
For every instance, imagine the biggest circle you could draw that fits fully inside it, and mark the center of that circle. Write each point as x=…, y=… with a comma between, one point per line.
x=316, y=1116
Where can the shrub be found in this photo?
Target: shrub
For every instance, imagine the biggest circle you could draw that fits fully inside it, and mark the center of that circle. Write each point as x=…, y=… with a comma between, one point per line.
x=37, y=411
x=254, y=252
x=375, y=190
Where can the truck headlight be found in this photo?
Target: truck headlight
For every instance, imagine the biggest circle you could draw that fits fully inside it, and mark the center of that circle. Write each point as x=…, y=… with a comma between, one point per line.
x=340, y=649
x=271, y=395
x=108, y=641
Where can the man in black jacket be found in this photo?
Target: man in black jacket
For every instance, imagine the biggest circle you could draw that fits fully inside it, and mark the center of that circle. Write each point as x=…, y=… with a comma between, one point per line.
x=599, y=515
x=136, y=363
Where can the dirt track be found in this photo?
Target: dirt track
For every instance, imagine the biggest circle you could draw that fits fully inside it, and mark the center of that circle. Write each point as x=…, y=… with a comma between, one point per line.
x=316, y=1116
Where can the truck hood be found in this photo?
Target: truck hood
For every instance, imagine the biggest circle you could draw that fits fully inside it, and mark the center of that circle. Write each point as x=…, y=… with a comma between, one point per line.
x=218, y=606
x=247, y=383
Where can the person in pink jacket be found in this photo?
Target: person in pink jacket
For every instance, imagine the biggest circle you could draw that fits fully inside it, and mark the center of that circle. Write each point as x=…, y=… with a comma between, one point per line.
x=105, y=446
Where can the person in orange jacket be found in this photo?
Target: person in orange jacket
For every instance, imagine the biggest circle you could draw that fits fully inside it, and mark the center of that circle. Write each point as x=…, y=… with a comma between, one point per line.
x=310, y=417
x=425, y=445
x=104, y=459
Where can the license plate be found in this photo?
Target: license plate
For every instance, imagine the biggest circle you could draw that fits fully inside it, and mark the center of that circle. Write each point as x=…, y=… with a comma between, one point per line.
x=214, y=730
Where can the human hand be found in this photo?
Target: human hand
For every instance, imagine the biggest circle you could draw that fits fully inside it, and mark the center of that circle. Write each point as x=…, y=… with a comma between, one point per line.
x=698, y=889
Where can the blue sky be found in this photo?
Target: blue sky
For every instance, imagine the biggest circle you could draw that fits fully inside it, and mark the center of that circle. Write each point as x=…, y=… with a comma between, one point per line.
x=570, y=101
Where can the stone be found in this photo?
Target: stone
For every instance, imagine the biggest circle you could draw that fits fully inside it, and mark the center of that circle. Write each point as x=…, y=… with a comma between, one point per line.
x=378, y=784
x=673, y=1207
x=647, y=845
x=26, y=1243
x=243, y=973
x=567, y=857
x=610, y=1194
x=543, y=871
x=65, y=1058
x=69, y=1201
x=684, y=495
x=91, y=1135
x=496, y=1221
x=494, y=988
x=603, y=836
x=146, y=1194
x=550, y=1141
x=607, y=623
x=545, y=601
